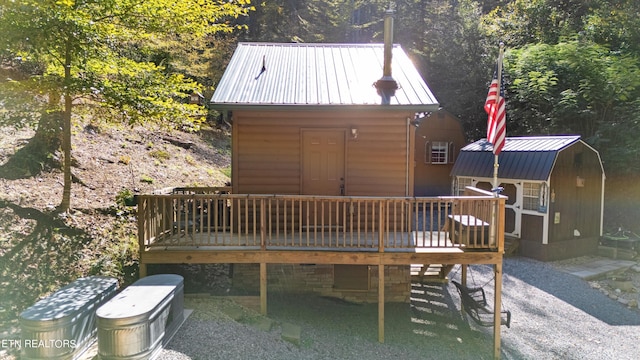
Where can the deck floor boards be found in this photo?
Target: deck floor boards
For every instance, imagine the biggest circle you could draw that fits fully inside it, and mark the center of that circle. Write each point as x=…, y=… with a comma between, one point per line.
x=416, y=241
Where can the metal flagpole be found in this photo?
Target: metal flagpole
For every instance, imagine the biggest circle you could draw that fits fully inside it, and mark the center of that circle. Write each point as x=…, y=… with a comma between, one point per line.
x=494, y=230
x=495, y=156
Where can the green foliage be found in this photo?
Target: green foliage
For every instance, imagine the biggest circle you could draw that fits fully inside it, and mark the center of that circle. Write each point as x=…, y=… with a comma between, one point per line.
x=522, y=22
x=226, y=171
x=571, y=65
x=615, y=23
x=117, y=252
x=146, y=179
x=107, y=54
x=570, y=87
x=125, y=197
x=455, y=58
x=160, y=154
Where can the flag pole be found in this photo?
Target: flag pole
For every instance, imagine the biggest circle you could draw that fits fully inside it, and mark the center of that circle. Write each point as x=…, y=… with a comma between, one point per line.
x=495, y=156
x=494, y=231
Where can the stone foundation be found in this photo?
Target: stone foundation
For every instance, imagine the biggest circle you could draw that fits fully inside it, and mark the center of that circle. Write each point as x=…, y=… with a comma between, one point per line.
x=319, y=279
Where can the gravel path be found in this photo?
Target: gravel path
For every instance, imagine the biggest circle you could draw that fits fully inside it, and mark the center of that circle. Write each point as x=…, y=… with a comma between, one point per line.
x=555, y=316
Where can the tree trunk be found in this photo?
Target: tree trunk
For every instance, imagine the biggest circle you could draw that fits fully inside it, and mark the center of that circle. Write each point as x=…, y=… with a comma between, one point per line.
x=65, y=204
x=36, y=156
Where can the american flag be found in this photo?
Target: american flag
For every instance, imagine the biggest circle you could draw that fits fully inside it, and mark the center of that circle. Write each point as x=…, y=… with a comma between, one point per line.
x=497, y=121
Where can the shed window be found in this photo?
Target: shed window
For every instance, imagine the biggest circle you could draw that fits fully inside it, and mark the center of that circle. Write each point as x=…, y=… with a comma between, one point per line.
x=438, y=152
x=462, y=184
x=531, y=196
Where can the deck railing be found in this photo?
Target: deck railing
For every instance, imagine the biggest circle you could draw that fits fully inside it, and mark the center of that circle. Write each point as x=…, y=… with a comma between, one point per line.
x=212, y=217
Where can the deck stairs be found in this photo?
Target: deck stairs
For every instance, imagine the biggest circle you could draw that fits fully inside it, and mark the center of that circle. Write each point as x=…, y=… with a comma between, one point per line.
x=430, y=272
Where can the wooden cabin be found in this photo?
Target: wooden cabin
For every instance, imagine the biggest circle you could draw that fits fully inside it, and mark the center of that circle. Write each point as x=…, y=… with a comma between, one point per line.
x=321, y=196
x=555, y=190
x=308, y=120
x=438, y=140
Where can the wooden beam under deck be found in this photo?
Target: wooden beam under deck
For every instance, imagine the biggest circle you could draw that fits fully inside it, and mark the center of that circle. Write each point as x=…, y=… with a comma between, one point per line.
x=200, y=256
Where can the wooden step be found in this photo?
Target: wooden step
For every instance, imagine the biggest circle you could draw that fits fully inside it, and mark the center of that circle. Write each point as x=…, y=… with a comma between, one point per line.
x=430, y=272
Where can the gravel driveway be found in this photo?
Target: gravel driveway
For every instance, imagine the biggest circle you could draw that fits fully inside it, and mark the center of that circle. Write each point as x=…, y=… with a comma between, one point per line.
x=555, y=316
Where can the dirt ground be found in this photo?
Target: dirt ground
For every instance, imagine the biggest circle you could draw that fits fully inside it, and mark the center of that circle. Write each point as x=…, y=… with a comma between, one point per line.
x=41, y=250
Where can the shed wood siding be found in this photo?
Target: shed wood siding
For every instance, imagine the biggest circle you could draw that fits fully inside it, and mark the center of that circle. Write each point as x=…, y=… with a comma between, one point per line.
x=267, y=151
x=579, y=207
x=531, y=228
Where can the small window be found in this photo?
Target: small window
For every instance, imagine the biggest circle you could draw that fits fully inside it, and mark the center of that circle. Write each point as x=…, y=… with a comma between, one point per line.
x=462, y=184
x=531, y=196
x=437, y=152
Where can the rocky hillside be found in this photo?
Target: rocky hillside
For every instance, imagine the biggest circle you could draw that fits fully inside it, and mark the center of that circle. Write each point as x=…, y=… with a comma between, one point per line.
x=40, y=250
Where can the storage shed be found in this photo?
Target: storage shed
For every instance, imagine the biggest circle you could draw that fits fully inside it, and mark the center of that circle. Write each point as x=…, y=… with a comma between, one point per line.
x=439, y=138
x=555, y=189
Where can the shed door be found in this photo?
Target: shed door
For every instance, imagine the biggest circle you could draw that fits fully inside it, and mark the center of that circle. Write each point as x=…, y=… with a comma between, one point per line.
x=323, y=162
x=512, y=208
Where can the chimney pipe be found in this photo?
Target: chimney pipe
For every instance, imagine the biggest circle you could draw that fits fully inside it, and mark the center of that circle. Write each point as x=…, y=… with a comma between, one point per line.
x=387, y=86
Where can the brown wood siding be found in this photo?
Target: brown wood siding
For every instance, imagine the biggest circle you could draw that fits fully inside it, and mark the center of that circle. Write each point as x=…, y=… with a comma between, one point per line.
x=531, y=228
x=267, y=159
x=579, y=207
x=267, y=151
x=434, y=179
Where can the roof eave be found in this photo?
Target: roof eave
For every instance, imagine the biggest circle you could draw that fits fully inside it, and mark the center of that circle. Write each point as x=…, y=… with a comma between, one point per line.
x=341, y=107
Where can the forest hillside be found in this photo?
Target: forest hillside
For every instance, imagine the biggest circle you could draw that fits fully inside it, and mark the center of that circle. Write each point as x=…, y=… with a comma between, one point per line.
x=41, y=249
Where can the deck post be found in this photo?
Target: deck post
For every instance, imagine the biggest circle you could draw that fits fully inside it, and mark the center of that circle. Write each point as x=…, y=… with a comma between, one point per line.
x=142, y=270
x=143, y=210
x=463, y=281
x=463, y=275
x=263, y=288
x=380, y=303
x=263, y=225
x=381, y=238
x=497, y=301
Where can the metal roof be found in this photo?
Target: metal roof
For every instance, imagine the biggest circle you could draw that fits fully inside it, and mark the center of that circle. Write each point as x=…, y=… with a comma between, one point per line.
x=527, y=158
x=317, y=75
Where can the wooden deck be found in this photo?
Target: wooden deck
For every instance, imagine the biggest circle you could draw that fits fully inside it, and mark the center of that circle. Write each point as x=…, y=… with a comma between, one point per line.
x=416, y=241
x=211, y=225
x=226, y=228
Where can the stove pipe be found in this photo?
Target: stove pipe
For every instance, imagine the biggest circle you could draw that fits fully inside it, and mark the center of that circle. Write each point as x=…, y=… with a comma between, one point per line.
x=387, y=86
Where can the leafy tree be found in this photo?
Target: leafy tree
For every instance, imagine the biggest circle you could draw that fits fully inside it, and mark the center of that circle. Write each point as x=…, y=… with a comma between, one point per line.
x=102, y=56
x=614, y=23
x=453, y=55
x=316, y=21
x=522, y=22
x=571, y=87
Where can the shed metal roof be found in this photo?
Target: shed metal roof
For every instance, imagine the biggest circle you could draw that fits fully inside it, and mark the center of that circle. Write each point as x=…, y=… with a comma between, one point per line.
x=526, y=158
x=317, y=75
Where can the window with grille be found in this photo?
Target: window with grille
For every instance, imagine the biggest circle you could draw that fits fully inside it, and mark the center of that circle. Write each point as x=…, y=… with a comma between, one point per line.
x=531, y=196
x=438, y=152
x=462, y=184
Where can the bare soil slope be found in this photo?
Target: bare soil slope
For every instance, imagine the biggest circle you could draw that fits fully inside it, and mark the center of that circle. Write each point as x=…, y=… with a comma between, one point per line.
x=41, y=250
